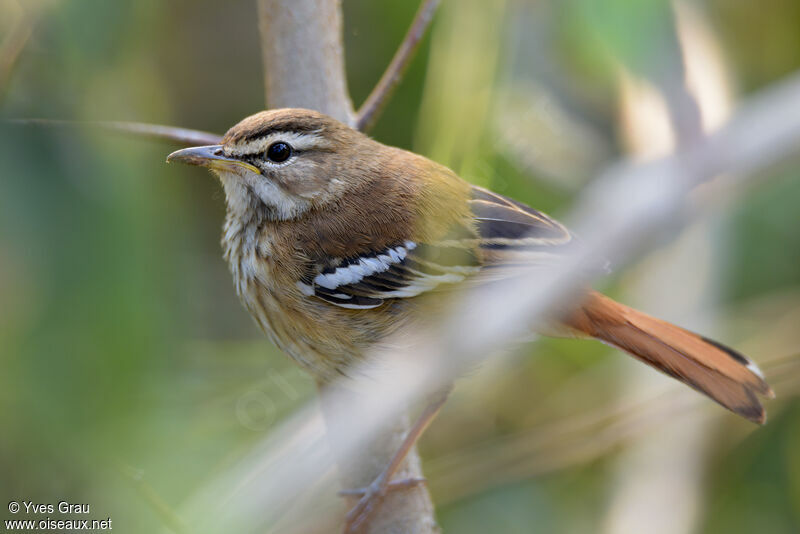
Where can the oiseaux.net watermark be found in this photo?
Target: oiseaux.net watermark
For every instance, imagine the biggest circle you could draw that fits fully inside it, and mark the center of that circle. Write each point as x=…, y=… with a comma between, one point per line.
x=49, y=516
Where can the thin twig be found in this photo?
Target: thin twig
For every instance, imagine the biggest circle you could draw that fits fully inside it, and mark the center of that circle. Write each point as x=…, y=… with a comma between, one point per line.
x=181, y=136
x=373, y=105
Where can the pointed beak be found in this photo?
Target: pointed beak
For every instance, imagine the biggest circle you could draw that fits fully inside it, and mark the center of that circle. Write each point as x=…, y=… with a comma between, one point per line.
x=210, y=156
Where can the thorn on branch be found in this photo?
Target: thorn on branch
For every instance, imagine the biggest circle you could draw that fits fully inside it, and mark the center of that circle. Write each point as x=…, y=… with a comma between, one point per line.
x=373, y=105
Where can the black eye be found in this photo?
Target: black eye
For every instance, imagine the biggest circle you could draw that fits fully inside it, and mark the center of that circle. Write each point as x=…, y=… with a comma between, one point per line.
x=279, y=152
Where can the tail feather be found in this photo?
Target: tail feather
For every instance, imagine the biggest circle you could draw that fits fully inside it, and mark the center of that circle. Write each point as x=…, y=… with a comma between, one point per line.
x=709, y=367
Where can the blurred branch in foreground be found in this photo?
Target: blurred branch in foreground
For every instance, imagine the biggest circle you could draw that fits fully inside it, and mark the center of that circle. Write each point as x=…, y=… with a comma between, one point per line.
x=582, y=437
x=592, y=432
x=617, y=216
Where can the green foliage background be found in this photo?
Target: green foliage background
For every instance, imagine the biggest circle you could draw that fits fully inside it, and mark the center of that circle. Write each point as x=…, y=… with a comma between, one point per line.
x=130, y=375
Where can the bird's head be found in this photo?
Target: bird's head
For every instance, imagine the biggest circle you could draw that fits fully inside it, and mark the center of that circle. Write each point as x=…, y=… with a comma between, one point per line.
x=284, y=161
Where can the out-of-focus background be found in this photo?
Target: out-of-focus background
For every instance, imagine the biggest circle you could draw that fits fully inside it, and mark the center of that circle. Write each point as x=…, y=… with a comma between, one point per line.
x=130, y=376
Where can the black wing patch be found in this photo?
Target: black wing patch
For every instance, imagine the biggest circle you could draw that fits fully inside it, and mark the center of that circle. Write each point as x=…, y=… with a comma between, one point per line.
x=401, y=271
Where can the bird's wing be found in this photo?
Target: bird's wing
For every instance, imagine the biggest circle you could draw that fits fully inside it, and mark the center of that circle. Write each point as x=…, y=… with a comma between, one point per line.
x=499, y=233
x=510, y=232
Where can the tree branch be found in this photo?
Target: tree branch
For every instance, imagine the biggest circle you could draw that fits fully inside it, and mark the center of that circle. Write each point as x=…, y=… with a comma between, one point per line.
x=301, y=46
x=304, y=67
x=373, y=105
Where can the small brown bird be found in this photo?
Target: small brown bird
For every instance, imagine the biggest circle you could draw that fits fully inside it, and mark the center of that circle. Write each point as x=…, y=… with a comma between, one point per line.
x=334, y=238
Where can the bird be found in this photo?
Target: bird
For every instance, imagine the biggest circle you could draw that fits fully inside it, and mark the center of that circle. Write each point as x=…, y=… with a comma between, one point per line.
x=335, y=240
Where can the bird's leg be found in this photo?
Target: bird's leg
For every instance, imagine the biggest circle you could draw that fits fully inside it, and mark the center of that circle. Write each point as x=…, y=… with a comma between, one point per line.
x=403, y=483
x=372, y=495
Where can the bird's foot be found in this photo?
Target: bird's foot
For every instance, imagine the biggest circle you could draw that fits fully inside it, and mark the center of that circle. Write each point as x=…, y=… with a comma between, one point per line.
x=371, y=498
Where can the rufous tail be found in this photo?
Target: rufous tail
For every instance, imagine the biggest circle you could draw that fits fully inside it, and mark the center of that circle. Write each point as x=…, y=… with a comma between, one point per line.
x=709, y=367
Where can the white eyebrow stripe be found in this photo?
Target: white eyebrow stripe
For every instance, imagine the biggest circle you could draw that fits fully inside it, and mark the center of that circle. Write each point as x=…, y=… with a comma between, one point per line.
x=297, y=140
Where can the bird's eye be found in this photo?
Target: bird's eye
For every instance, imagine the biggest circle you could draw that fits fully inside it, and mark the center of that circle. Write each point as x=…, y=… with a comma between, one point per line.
x=279, y=152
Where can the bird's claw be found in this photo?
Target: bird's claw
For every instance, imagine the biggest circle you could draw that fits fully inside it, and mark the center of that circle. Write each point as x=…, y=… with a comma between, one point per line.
x=371, y=498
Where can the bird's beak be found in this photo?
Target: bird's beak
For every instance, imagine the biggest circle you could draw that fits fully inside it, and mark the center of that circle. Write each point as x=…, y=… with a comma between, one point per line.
x=210, y=156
